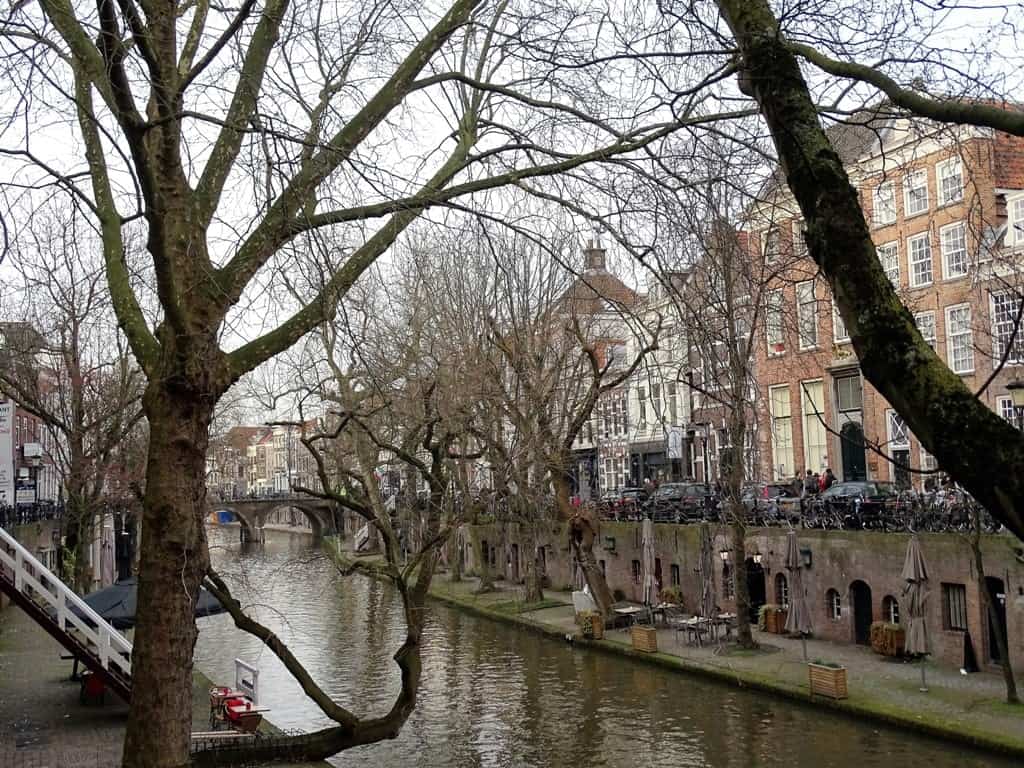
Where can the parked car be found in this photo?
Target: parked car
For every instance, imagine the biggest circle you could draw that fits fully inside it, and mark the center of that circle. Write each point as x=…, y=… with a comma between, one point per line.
x=681, y=502
x=858, y=504
x=631, y=500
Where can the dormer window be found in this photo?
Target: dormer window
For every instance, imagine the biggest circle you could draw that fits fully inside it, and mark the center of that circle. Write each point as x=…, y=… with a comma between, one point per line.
x=771, y=245
x=915, y=193
x=884, y=204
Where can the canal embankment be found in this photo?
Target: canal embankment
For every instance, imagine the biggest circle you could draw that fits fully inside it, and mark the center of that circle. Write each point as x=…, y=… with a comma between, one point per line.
x=957, y=708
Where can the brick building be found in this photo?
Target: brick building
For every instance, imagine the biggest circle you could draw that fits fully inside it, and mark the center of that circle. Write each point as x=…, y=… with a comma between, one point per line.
x=946, y=210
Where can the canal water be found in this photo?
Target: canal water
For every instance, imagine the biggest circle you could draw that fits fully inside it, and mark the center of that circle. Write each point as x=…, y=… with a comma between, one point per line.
x=492, y=696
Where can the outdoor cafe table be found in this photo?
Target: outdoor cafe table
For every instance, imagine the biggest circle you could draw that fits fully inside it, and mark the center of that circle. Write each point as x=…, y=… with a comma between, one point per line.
x=630, y=612
x=694, y=627
x=724, y=621
x=662, y=609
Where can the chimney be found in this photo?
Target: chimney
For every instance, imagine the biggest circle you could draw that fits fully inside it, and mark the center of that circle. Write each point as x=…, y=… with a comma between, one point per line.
x=594, y=260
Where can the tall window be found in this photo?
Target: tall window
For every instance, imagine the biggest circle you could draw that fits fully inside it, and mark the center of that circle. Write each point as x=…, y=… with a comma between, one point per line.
x=950, y=181
x=953, y=241
x=889, y=256
x=673, y=409
x=807, y=315
x=915, y=192
x=1015, y=220
x=782, y=431
x=954, y=607
x=673, y=573
x=656, y=400
x=834, y=605
x=959, y=339
x=884, y=204
x=839, y=331
x=926, y=325
x=891, y=609
x=799, y=243
x=773, y=324
x=635, y=569
x=1004, y=407
x=920, y=250
x=815, y=442
x=781, y=589
x=1006, y=316
x=641, y=396
x=772, y=245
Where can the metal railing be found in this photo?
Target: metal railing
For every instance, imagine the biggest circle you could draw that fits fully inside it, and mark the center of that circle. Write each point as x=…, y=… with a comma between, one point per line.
x=67, y=610
x=22, y=514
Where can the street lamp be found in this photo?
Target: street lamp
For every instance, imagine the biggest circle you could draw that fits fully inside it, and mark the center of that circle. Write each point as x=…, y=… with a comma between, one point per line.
x=1016, y=390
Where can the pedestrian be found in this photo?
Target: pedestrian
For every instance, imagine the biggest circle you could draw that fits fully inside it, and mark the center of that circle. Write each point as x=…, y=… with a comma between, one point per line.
x=810, y=484
x=829, y=479
x=796, y=486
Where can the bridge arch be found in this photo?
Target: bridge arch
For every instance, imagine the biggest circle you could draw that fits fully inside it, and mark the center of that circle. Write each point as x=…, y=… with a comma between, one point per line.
x=253, y=513
x=249, y=529
x=317, y=523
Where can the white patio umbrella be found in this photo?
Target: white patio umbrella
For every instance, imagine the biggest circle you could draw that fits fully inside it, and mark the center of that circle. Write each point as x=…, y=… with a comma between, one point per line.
x=647, y=555
x=915, y=573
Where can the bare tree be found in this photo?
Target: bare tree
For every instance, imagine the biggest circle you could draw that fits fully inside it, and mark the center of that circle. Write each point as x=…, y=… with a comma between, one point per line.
x=75, y=373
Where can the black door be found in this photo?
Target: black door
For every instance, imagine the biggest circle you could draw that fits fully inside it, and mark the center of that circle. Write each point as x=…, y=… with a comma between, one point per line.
x=901, y=462
x=860, y=599
x=852, y=439
x=755, y=587
x=997, y=595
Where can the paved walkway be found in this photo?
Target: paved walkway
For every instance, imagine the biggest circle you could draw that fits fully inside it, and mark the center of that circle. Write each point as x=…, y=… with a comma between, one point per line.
x=879, y=686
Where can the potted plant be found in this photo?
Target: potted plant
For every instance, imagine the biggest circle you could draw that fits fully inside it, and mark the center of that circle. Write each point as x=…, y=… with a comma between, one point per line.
x=887, y=639
x=772, y=618
x=671, y=596
x=827, y=679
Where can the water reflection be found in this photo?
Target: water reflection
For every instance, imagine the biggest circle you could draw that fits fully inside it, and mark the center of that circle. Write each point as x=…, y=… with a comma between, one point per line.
x=492, y=697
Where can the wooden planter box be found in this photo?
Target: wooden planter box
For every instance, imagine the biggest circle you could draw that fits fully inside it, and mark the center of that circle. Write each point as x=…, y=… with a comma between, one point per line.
x=775, y=620
x=887, y=639
x=827, y=681
x=645, y=639
x=592, y=625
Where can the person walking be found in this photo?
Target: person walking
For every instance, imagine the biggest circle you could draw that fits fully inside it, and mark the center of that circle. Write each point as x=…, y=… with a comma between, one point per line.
x=810, y=484
x=828, y=479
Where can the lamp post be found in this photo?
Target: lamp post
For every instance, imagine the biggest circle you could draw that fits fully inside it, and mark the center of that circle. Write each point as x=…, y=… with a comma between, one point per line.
x=1016, y=390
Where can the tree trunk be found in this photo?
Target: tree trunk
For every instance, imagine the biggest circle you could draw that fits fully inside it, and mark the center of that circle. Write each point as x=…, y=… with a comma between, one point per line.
x=737, y=530
x=534, y=581
x=979, y=449
x=989, y=608
x=456, y=544
x=173, y=562
x=484, y=561
x=583, y=533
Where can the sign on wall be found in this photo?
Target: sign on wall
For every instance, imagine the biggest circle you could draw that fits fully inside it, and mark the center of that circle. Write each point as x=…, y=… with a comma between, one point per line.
x=7, y=453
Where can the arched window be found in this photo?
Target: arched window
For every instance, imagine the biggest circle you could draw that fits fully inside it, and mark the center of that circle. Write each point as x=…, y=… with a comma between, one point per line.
x=781, y=589
x=891, y=609
x=833, y=605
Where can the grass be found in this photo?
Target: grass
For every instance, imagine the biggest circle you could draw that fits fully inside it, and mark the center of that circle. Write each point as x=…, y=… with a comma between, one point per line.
x=512, y=607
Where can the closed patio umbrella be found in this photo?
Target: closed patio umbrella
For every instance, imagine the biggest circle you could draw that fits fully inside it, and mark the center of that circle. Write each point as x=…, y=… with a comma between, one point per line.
x=708, y=600
x=647, y=554
x=799, y=617
x=915, y=573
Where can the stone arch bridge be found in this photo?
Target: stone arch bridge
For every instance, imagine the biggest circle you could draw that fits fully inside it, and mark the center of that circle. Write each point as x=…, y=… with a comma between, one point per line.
x=252, y=513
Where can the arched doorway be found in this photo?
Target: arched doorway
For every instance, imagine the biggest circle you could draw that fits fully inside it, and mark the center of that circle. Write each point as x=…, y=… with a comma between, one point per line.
x=755, y=587
x=996, y=624
x=854, y=462
x=863, y=612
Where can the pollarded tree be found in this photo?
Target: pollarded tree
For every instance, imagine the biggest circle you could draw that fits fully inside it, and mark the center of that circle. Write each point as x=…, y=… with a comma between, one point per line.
x=230, y=139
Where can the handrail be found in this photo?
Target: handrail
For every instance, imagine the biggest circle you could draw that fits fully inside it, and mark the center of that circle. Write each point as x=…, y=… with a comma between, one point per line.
x=104, y=636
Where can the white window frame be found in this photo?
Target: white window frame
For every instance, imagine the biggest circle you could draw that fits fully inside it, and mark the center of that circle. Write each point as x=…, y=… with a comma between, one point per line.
x=892, y=269
x=877, y=206
x=951, y=339
x=1005, y=409
x=911, y=262
x=840, y=333
x=799, y=244
x=835, y=605
x=776, y=443
x=944, y=234
x=897, y=430
x=806, y=302
x=775, y=304
x=941, y=174
x=930, y=316
x=771, y=256
x=908, y=187
x=1016, y=357
x=1015, y=219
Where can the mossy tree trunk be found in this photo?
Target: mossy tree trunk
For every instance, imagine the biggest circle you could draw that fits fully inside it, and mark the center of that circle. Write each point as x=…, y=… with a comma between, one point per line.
x=980, y=450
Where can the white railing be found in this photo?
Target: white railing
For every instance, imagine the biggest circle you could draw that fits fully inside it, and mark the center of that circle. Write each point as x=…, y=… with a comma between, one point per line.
x=111, y=648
